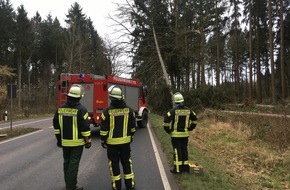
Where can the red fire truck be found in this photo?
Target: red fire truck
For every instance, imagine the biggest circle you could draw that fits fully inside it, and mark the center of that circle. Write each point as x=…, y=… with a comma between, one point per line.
x=96, y=94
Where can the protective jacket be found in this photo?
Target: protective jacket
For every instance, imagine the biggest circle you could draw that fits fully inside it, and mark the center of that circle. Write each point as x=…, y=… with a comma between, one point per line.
x=71, y=124
x=118, y=123
x=179, y=121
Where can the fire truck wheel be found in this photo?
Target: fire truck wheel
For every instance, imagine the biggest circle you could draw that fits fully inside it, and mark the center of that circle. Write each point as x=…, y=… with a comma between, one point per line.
x=143, y=123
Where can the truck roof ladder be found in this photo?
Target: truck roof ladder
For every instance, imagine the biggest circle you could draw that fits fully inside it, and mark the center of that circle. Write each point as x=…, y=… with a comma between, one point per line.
x=64, y=78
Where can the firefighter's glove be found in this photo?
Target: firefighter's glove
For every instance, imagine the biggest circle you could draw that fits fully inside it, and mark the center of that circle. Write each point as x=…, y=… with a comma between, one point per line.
x=88, y=145
x=131, y=139
x=58, y=143
x=167, y=130
x=104, y=145
x=191, y=127
x=58, y=140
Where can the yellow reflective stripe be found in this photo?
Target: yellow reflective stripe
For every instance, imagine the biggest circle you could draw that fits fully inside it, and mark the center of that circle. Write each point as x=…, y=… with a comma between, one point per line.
x=57, y=131
x=116, y=178
x=103, y=116
x=129, y=176
x=120, y=140
x=86, y=116
x=175, y=123
x=175, y=156
x=166, y=124
x=67, y=111
x=179, y=134
x=117, y=112
x=185, y=162
x=168, y=114
x=110, y=167
x=75, y=128
x=86, y=133
x=60, y=121
x=103, y=133
x=176, y=162
x=112, y=124
x=179, y=113
x=193, y=122
x=182, y=112
x=125, y=124
x=78, y=142
x=186, y=123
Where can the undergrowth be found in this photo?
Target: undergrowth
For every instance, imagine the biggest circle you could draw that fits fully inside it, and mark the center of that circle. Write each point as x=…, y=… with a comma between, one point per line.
x=237, y=151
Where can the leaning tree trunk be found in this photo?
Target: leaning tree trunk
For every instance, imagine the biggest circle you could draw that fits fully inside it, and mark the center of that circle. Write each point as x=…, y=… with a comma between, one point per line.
x=165, y=74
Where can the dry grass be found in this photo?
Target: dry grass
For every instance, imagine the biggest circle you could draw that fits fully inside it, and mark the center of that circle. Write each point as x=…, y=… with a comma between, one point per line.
x=243, y=153
x=15, y=132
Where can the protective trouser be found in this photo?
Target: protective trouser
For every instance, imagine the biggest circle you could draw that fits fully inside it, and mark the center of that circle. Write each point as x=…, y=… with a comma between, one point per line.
x=180, y=154
x=72, y=157
x=117, y=153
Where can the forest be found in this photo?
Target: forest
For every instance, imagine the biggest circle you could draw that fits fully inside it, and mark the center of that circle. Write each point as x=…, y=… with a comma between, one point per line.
x=215, y=52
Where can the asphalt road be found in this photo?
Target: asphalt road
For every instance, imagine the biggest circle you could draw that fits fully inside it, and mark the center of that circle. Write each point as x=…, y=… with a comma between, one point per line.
x=34, y=162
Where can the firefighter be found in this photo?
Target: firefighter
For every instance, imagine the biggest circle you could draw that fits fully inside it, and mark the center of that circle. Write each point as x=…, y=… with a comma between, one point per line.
x=118, y=126
x=72, y=131
x=178, y=122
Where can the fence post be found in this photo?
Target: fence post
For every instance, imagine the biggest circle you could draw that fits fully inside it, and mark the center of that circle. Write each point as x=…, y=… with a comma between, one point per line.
x=5, y=115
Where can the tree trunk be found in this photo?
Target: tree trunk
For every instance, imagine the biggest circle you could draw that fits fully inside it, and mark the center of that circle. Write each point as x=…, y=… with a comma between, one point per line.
x=187, y=70
x=19, y=67
x=237, y=73
x=193, y=72
x=271, y=49
x=202, y=63
x=217, y=48
x=283, y=80
x=258, y=60
x=165, y=74
x=251, y=54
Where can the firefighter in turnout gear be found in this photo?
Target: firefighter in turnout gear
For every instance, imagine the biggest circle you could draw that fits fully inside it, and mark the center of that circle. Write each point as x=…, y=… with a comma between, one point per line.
x=118, y=126
x=178, y=122
x=72, y=131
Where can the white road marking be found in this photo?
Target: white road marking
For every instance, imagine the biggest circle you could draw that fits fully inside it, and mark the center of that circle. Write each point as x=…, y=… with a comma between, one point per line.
x=159, y=163
x=2, y=142
x=17, y=125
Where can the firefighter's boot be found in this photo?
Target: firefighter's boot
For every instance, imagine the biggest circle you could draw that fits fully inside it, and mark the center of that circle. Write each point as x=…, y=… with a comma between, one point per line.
x=117, y=185
x=130, y=184
x=175, y=171
x=185, y=168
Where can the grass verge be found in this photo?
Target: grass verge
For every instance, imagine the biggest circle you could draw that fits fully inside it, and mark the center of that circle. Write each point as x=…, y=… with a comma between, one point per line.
x=214, y=176
x=237, y=152
x=8, y=133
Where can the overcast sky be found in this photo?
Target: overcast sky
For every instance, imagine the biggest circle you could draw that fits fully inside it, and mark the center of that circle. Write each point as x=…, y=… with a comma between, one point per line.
x=97, y=10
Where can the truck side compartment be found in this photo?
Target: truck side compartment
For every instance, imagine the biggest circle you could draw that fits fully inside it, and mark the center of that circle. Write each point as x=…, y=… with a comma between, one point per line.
x=96, y=97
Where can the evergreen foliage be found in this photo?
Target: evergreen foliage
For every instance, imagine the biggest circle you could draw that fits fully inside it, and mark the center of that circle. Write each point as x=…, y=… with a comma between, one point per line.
x=214, y=51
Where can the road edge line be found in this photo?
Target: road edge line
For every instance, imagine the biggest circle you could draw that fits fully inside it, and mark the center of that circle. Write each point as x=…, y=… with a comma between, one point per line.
x=15, y=138
x=164, y=178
